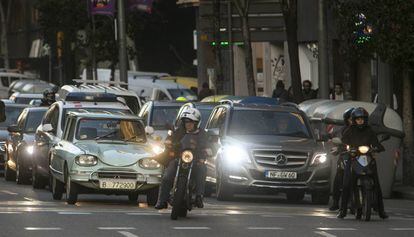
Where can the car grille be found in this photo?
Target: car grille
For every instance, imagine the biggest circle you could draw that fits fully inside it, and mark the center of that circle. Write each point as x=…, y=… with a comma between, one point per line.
x=116, y=175
x=280, y=159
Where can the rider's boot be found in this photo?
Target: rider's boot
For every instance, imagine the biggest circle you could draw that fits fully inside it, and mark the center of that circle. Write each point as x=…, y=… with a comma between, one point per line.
x=335, y=206
x=161, y=205
x=382, y=214
x=342, y=213
x=199, y=201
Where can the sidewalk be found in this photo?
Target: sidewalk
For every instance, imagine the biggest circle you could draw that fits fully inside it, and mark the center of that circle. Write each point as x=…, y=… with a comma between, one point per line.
x=403, y=191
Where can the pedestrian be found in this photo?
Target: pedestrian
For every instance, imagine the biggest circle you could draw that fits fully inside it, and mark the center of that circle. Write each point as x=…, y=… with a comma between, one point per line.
x=308, y=93
x=280, y=93
x=338, y=93
x=205, y=91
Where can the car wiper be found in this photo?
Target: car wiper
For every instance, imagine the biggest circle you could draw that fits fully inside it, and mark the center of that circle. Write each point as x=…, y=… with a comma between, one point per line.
x=133, y=137
x=106, y=135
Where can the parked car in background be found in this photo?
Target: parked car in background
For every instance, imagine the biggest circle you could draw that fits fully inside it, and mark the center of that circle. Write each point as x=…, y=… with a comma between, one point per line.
x=29, y=86
x=264, y=147
x=12, y=111
x=51, y=129
x=104, y=153
x=24, y=98
x=19, y=146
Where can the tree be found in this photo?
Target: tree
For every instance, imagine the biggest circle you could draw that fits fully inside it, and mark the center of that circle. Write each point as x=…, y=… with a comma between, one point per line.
x=289, y=10
x=242, y=7
x=5, y=16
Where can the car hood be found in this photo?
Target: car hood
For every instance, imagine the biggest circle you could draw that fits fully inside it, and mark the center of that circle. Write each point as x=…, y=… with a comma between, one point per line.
x=274, y=142
x=113, y=154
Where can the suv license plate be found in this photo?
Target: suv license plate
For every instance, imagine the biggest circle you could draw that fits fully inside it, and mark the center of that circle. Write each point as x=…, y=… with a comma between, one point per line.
x=280, y=175
x=117, y=184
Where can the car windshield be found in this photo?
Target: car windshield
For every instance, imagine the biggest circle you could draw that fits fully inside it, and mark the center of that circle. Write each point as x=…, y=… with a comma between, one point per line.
x=274, y=123
x=23, y=100
x=110, y=129
x=205, y=114
x=186, y=93
x=34, y=118
x=162, y=116
x=97, y=110
x=12, y=113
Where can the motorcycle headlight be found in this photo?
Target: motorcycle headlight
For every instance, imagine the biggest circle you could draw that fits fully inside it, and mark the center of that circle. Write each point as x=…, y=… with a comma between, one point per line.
x=235, y=154
x=187, y=156
x=363, y=149
x=86, y=160
x=30, y=149
x=319, y=158
x=157, y=149
x=149, y=163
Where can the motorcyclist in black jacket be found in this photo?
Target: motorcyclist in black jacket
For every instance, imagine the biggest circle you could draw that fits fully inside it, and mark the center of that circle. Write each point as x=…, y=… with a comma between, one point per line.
x=48, y=98
x=360, y=134
x=189, y=123
x=338, y=181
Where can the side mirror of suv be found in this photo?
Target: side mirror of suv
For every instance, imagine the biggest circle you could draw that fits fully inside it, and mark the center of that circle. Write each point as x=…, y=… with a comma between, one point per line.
x=13, y=129
x=47, y=127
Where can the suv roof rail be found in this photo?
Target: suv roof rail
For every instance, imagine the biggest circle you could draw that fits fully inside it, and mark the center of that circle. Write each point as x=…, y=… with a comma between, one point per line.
x=290, y=104
x=229, y=102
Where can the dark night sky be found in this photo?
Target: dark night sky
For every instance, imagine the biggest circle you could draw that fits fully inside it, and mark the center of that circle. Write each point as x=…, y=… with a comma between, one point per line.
x=172, y=28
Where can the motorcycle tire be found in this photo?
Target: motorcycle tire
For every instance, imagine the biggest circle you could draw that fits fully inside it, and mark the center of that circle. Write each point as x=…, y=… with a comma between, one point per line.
x=178, y=207
x=367, y=203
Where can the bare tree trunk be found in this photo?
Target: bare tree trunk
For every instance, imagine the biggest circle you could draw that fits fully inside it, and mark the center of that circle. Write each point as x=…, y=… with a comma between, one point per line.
x=408, y=162
x=4, y=26
x=289, y=8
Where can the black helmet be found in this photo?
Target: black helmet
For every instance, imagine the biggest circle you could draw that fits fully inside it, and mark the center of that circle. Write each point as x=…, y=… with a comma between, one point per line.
x=347, y=115
x=49, y=96
x=360, y=113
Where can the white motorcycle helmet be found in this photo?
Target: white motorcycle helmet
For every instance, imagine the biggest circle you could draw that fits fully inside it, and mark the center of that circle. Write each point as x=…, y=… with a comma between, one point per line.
x=193, y=114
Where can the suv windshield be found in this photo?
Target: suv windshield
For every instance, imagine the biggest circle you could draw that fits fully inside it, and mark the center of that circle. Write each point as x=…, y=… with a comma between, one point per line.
x=161, y=116
x=274, y=123
x=205, y=114
x=34, y=118
x=110, y=129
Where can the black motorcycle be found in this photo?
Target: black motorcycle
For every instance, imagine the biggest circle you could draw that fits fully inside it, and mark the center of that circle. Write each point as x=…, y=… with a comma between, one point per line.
x=183, y=189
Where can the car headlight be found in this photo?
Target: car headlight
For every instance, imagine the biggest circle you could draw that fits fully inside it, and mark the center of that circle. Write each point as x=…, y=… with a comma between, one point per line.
x=157, y=149
x=86, y=160
x=319, y=158
x=363, y=149
x=149, y=163
x=235, y=154
x=187, y=156
x=2, y=146
x=30, y=149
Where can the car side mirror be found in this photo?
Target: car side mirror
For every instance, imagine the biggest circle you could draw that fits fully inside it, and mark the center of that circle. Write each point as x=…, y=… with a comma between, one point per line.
x=47, y=127
x=14, y=129
x=214, y=132
x=149, y=130
x=336, y=141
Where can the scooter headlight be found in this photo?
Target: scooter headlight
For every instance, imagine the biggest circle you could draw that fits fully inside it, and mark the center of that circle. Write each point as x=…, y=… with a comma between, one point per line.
x=187, y=156
x=363, y=149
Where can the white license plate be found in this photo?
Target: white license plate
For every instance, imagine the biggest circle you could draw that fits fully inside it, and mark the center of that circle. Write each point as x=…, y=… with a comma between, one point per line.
x=117, y=184
x=280, y=175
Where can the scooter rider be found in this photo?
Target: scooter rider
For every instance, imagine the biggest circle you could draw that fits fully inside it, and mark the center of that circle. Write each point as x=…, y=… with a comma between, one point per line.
x=48, y=98
x=338, y=181
x=189, y=123
x=360, y=134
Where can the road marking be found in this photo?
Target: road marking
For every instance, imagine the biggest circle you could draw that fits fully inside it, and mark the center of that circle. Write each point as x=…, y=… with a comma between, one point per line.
x=8, y=192
x=116, y=228
x=277, y=216
x=143, y=214
x=10, y=212
x=191, y=228
x=74, y=213
x=42, y=228
x=323, y=233
x=401, y=229
x=31, y=199
x=127, y=234
x=264, y=228
x=323, y=228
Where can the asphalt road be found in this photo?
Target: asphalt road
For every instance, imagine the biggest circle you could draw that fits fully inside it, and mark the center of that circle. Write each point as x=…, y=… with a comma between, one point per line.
x=28, y=212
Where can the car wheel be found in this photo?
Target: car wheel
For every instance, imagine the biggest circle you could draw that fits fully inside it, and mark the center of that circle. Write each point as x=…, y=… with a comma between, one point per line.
x=22, y=176
x=71, y=191
x=152, y=196
x=224, y=190
x=37, y=181
x=9, y=175
x=133, y=198
x=57, y=188
x=320, y=197
x=295, y=195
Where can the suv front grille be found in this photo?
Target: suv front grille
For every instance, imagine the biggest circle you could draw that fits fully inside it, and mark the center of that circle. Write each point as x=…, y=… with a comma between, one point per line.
x=280, y=159
x=116, y=175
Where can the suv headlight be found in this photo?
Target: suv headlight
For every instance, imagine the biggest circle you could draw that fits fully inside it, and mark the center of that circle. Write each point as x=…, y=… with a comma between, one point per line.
x=187, y=156
x=149, y=163
x=235, y=155
x=86, y=160
x=319, y=158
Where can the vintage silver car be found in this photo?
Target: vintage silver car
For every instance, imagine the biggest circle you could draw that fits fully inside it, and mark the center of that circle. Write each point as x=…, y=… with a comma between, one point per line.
x=104, y=153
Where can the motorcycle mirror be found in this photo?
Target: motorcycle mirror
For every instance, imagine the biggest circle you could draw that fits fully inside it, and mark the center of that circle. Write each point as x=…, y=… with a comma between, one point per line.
x=336, y=141
x=149, y=130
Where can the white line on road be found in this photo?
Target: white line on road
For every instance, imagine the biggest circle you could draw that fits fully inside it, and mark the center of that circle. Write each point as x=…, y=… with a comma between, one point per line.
x=116, y=228
x=10, y=212
x=127, y=234
x=73, y=213
x=323, y=228
x=323, y=233
x=401, y=229
x=264, y=228
x=8, y=192
x=191, y=228
x=143, y=214
x=277, y=216
x=42, y=228
x=31, y=199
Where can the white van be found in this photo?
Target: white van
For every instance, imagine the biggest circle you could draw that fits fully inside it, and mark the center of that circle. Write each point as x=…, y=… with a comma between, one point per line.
x=7, y=78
